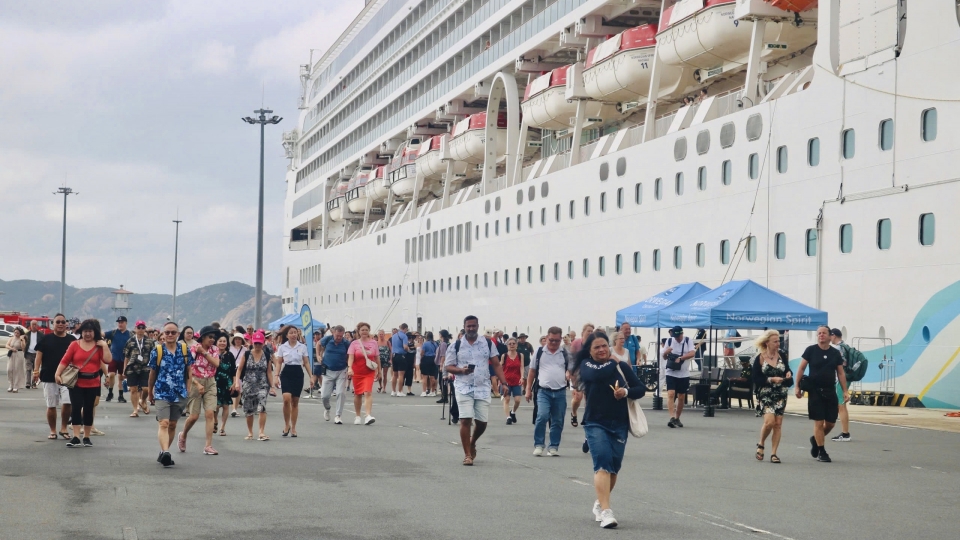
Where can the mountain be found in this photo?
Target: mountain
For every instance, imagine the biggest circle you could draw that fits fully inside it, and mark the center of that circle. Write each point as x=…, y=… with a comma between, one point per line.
x=230, y=303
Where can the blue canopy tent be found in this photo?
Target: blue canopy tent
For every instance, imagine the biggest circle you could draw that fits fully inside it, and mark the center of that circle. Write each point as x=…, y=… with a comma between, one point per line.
x=740, y=304
x=743, y=304
x=293, y=318
x=644, y=314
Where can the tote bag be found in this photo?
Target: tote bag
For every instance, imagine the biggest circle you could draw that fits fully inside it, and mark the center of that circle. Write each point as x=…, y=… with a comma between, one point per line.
x=638, y=422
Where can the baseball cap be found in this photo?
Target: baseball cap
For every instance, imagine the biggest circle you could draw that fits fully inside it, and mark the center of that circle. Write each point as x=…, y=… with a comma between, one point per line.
x=836, y=332
x=258, y=337
x=140, y=323
x=122, y=318
x=676, y=331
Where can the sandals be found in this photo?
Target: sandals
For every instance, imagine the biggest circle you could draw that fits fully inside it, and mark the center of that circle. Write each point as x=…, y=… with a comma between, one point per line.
x=134, y=415
x=286, y=433
x=65, y=435
x=760, y=452
x=573, y=421
x=263, y=438
x=774, y=458
x=52, y=436
x=223, y=433
x=248, y=438
x=468, y=461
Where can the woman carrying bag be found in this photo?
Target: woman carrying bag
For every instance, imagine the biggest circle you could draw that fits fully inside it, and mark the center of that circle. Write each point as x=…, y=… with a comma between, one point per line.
x=609, y=388
x=363, y=364
x=16, y=363
x=79, y=370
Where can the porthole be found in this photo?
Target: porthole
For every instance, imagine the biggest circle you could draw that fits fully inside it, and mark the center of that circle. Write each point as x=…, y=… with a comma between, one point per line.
x=658, y=189
x=886, y=135
x=724, y=252
x=636, y=262
x=556, y=271
x=638, y=193
x=496, y=204
x=928, y=229
x=678, y=184
x=702, y=178
x=884, y=230
x=846, y=238
x=619, y=264
x=603, y=202
x=782, y=159
x=848, y=143
x=780, y=246
x=678, y=257
x=586, y=206
x=753, y=166
x=726, y=172
x=486, y=206
x=586, y=268
x=813, y=152
x=752, y=248
x=811, y=241
x=728, y=134
x=701, y=255
x=619, y=197
x=621, y=166
x=519, y=196
x=544, y=189
x=602, y=266
x=378, y=240
x=754, y=127
x=570, y=269
x=680, y=149
x=428, y=224
x=531, y=193
x=703, y=142
x=604, y=171
x=543, y=273
x=928, y=119
x=656, y=260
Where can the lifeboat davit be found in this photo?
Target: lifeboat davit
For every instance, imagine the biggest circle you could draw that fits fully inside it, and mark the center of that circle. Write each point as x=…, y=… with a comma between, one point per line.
x=467, y=142
x=545, y=104
x=402, y=171
x=356, y=195
x=432, y=167
x=705, y=34
x=619, y=69
x=335, y=206
x=377, y=188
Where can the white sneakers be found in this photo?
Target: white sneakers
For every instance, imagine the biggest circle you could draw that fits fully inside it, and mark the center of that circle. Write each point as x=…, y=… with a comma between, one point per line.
x=538, y=451
x=369, y=420
x=393, y=394
x=607, y=521
x=597, y=510
x=553, y=452
x=357, y=421
x=424, y=394
x=336, y=420
x=326, y=414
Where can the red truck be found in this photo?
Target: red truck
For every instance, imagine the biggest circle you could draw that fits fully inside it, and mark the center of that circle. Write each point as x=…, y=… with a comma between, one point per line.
x=24, y=320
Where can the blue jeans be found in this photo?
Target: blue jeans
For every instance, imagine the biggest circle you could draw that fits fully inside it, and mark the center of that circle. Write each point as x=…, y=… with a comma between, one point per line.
x=552, y=406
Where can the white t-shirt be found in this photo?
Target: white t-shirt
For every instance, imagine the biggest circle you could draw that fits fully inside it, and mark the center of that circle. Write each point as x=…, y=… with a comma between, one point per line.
x=292, y=356
x=625, y=357
x=679, y=347
x=32, y=346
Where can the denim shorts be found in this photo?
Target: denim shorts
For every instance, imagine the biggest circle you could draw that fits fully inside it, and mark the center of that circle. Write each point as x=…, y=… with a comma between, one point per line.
x=606, y=446
x=515, y=391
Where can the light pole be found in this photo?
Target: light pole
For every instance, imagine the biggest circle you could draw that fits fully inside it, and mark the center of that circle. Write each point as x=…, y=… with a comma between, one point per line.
x=263, y=121
x=176, y=252
x=65, y=191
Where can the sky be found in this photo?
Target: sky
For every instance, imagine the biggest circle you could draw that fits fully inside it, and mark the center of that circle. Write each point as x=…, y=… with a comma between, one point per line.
x=137, y=105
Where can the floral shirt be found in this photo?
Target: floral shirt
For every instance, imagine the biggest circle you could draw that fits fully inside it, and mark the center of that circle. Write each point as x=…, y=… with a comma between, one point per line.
x=201, y=368
x=171, y=382
x=477, y=384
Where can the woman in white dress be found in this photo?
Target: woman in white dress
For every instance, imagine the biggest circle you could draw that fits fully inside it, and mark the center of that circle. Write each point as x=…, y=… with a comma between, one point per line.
x=16, y=364
x=618, y=352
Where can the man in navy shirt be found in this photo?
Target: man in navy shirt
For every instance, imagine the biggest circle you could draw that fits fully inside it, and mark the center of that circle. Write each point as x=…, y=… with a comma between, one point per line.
x=333, y=350
x=399, y=347
x=118, y=340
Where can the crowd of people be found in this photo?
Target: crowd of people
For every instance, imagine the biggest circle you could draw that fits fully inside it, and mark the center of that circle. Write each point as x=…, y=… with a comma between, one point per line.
x=176, y=373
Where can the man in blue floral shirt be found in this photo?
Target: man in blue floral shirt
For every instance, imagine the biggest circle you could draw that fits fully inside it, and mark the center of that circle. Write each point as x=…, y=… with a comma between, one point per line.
x=169, y=377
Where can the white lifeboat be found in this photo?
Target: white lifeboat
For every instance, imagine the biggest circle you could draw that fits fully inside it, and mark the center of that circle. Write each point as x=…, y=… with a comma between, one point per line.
x=377, y=188
x=705, y=34
x=432, y=167
x=335, y=206
x=467, y=138
x=619, y=69
x=356, y=195
x=402, y=170
x=545, y=104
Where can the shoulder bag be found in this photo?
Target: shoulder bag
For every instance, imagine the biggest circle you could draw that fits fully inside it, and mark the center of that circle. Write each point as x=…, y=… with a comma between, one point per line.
x=638, y=421
x=371, y=365
x=71, y=373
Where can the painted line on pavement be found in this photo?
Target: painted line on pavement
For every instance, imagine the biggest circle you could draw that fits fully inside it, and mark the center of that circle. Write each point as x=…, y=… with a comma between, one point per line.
x=749, y=528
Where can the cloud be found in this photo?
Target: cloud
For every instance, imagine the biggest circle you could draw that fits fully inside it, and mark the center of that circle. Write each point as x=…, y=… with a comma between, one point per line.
x=279, y=55
x=214, y=58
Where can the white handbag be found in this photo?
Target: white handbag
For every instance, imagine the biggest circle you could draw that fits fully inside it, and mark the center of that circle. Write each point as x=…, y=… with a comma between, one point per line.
x=638, y=421
x=371, y=365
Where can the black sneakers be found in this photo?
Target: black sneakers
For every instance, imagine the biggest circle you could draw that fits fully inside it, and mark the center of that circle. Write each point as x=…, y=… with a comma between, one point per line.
x=87, y=441
x=110, y=394
x=676, y=422
x=843, y=437
x=75, y=443
x=824, y=457
x=120, y=398
x=672, y=423
x=814, y=449
x=165, y=459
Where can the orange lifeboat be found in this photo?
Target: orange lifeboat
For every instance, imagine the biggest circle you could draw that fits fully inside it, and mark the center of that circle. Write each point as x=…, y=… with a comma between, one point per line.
x=467, y=142
x=619, y=69
x=545, y=104
x=705, y=34
x=432, y=167
x=402, y=171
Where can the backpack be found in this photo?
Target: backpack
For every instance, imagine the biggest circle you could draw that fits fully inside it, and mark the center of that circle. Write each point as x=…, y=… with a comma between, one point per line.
x=456, y=346
x=856, y=364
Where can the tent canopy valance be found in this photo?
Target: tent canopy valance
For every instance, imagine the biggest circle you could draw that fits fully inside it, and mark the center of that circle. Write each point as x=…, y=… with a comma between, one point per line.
x=644, y=314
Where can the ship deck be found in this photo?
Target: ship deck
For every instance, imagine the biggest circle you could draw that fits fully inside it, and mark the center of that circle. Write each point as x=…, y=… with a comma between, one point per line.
x=402, y=478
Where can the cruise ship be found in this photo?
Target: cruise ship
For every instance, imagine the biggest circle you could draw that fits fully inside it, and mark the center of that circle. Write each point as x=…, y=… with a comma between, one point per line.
x=547, y=162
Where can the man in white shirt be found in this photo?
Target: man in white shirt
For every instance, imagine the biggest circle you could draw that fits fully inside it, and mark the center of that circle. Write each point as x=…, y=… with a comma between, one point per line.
x=32, y=339
x=472, y=358
x=550, y=371
x=678, y=380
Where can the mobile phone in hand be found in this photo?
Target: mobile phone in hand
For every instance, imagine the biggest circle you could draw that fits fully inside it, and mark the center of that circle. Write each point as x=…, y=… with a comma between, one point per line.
x=471, y=367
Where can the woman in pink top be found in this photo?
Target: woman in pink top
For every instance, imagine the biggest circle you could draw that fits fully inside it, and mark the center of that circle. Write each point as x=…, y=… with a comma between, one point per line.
x=362, y=350
x=575, y=387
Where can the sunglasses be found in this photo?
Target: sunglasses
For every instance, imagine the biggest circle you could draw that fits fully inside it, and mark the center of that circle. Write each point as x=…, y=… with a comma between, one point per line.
x=170, y=332
x=141, y=327
x=59, y=322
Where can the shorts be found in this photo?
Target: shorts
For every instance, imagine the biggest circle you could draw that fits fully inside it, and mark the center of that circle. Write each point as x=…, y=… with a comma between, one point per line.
x=138, y=379
x=399, y=362
x=515, y=391
x=822, y=404
x=606, y=447
x=840, y=396
x=429, y=368
x=679, y=385
x=208, y=399
x=477, y=409
x=55, y=395
x=169, y=410
x=115, y=366
x=317, y=369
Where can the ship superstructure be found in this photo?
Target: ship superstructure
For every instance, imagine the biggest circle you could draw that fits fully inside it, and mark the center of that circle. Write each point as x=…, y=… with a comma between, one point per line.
x=547, y=162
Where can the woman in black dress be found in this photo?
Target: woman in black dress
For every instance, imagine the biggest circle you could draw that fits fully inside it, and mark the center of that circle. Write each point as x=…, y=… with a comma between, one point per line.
x=226, y=372
x=771, y=378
